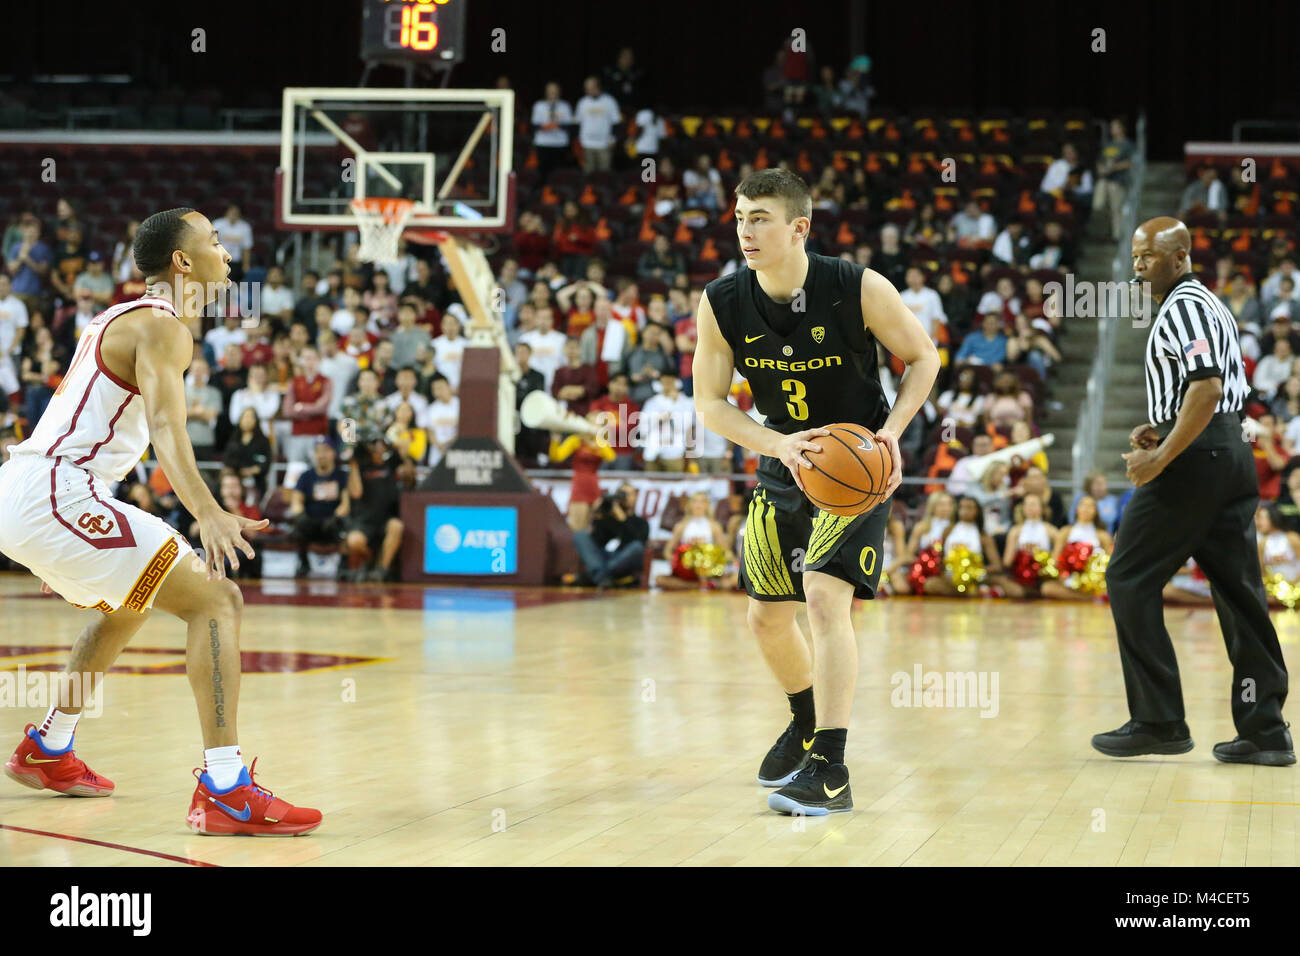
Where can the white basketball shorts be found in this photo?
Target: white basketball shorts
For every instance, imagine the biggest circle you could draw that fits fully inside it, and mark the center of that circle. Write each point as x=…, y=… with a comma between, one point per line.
x=59, y=521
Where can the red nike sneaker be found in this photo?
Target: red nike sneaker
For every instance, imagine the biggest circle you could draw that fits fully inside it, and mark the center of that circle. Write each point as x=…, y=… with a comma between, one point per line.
x=246, y=809
x=34, y=766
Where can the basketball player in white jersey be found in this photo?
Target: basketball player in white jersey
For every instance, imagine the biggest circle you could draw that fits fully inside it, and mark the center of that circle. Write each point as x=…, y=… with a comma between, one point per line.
x=124, y=390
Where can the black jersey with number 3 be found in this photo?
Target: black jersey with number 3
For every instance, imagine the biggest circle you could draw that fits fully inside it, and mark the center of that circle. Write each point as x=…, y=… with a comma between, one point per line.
x=809, y=362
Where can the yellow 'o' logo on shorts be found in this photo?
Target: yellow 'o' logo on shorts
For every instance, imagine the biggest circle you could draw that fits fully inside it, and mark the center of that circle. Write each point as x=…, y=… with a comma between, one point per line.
x=862, y=560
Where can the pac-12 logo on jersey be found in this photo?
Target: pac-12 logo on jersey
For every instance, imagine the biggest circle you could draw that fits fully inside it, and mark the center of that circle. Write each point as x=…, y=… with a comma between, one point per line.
x=95, y=523
x=818, y=333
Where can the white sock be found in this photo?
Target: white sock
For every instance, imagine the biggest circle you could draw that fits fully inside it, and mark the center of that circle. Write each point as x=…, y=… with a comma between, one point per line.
x=223, y=765
x=57, y=729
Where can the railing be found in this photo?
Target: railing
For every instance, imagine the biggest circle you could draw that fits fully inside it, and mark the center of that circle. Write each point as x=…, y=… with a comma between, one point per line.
x=277, y=469
x=1084, y=453
x=1291, y=129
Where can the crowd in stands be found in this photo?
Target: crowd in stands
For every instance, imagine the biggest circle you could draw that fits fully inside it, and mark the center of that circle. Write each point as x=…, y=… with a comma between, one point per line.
x=1243, y=249
x=624, y=215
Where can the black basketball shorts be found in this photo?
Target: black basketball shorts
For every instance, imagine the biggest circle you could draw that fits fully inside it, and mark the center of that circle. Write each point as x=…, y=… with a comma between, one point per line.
x=786, y=535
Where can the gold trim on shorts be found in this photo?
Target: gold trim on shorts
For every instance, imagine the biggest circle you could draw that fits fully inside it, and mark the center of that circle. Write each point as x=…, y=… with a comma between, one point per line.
x=100, y=606
x=152, y=576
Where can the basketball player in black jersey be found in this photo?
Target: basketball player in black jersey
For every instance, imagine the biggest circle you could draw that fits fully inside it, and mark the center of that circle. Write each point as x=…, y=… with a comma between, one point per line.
x=803, y=330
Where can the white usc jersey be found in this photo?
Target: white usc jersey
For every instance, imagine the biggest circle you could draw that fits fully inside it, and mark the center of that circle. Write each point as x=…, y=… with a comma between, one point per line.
x=95, y=420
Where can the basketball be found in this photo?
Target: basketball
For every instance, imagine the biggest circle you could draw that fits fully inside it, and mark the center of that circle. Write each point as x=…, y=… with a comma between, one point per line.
x=849, y=475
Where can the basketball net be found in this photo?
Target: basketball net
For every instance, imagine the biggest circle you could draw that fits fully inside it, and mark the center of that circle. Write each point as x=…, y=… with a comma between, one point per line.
x=381, y=221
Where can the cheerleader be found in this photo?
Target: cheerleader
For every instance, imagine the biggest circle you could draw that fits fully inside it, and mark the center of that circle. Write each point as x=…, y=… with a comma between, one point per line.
x=895, y=545
x=696, y=529
x=1029, y=536
x=927, y=533
x=1087, y=529
x=1279, y=557
x=1188, y=586
x=968, y=532
x=587, y=452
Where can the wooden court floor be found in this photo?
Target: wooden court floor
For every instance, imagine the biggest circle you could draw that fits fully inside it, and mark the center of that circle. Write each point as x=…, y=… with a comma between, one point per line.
x=485, y=727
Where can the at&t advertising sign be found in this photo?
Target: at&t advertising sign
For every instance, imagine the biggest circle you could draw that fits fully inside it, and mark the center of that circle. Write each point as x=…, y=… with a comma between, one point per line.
x=470, y=540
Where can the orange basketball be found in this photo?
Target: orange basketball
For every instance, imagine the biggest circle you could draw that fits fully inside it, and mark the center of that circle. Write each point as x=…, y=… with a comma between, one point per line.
x=850, y=473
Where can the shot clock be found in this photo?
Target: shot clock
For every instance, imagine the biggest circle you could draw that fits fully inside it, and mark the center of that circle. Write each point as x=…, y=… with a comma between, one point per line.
x=412, y=31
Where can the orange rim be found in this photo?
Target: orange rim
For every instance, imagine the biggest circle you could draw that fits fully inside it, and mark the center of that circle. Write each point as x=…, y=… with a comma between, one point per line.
x=393, y=210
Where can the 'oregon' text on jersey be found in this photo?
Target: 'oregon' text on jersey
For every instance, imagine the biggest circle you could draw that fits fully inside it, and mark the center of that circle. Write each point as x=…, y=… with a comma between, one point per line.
x=810, y=362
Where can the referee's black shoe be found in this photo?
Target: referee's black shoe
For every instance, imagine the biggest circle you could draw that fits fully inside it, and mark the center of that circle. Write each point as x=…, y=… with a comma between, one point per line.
x=785, y=759
x=1274, y=750
x=1137, y=738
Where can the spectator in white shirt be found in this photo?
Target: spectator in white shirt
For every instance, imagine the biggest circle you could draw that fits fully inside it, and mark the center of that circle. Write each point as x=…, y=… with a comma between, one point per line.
x=225, y=334
x=236, y=236
x=547, y=345
x=1012, y=245
x=13, y=319
x=449, y=348
x=85, y=314
x=962, y=403
x=597, y=115
x=1001, y=299
x=552, y=118
x=924, y=302
x=406, y=392
x=441, y=419
x=1274, y=369
x=666, y=418
x=650, y=129
x=1271, y=290
x=256, y=395
x=1057, y=176
x=124, y=253
x=337, y=366
x=277, y=298
x=343, y=319
x=971, y=225
x=1286, y=295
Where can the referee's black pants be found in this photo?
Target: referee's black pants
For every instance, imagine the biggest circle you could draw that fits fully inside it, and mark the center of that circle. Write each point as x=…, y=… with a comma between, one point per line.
x=1202, y=505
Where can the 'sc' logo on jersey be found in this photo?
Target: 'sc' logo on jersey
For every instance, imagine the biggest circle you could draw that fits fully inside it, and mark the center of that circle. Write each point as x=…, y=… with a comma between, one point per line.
x=94, y=523
x=819, y=333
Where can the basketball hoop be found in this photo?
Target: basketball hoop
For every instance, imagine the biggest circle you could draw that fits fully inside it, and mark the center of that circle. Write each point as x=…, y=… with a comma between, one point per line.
x=381, y=221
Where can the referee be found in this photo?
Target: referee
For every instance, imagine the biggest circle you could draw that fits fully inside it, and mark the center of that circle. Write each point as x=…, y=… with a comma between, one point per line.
x=1196, y=494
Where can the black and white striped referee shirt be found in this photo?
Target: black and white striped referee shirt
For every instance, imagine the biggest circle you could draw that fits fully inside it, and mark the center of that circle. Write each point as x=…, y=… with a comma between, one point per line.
x=1193, y=336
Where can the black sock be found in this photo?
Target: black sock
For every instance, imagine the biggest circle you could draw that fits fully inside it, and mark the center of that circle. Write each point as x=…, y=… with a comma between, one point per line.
x=830, y=743
x=802, y=712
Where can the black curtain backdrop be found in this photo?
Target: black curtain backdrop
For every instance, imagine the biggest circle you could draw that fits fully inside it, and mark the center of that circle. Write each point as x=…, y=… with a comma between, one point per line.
x=1195, y=67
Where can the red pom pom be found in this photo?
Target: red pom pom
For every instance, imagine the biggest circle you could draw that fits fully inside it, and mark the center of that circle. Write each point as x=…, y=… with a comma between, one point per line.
x=925, y=566
x=1025, y=569
x=678, y=569
x=1075, y=557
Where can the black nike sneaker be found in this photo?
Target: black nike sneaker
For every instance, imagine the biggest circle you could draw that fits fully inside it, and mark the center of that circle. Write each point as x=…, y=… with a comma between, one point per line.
x=785, y=759
x=816, y=790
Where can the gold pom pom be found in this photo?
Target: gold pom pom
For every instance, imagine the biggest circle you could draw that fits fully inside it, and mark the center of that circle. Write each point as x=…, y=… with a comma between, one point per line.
x=965, y=569
x=706, y=560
